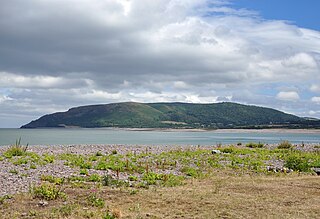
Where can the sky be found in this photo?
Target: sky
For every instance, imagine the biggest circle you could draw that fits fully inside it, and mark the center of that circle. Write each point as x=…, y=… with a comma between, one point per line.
x=58, y=54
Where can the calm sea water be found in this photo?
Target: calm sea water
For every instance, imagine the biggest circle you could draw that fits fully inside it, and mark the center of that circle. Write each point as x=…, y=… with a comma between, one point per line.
x=111, y=136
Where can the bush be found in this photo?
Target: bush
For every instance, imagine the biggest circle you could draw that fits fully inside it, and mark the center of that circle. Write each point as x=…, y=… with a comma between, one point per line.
x=48, y=158
x=84, y=172
x=109, y=215
x=297, y=163
x=228, y=150
x=4, y=198
x=47, y=191
x=132, y=178
x=254, y=145
x=107, y=180
x=52, y=179
x=285, y=145
x=98, y=154
x=16, y=150
x=189, y=171
x=94, y=178
x=152, y=178
x=95, y=201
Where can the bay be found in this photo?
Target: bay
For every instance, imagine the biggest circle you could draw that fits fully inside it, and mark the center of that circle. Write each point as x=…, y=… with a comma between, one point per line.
x=154, y=137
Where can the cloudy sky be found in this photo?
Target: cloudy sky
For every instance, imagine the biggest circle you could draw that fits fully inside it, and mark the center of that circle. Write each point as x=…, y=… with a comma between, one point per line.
x=57, y=54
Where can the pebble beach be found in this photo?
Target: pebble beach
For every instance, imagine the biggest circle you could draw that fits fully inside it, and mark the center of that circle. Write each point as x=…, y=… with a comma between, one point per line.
x=18, y=178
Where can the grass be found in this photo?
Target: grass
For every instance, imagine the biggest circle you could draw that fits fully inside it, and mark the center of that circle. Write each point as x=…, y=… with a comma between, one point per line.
x=221, y=195
x=16, y=149
x=285, y=145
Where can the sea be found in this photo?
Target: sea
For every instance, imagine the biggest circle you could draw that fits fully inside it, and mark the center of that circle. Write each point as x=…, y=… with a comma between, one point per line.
x=152, y=137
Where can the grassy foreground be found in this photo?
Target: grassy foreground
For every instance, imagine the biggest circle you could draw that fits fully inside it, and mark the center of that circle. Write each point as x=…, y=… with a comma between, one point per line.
x=182, y=183
x=221, y=196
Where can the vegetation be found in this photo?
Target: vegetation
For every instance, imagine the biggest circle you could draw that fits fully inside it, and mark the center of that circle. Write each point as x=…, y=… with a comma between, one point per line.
x=285, y=145
x=190, y=182
x=94, y=200
x=47, y=191
x=16, y=150
x=255, y=145
x=173, y=115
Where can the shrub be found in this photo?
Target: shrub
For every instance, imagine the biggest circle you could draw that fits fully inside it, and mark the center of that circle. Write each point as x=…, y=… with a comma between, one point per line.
x=83, y=172
x=228, y=150
x=297, y=163
x=133, y=178
x=21, y=161
x=48, y=158
x=16, y=150
x=95, y=201
x=152, y=178
x=189, y=171
x=4, y=198
x=254, y=145
x=76, y=179
x=101, y=165
x=285, y=145
x=108, y=215
x=85, y=165
x=94, y=178
x=52, y=179
x=107, y=180
x=98, y=154
x=33, y=166
x=47, y=191
x=13, y=171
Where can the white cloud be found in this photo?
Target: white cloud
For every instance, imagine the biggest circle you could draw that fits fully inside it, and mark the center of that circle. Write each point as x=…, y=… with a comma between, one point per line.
x=288, y=96
x=180, y=85
x=315, y=100
x=4, y=98
x=314, y=113
x=315, y=88
x=300, y=60
x=98, y=95
x=9, y=80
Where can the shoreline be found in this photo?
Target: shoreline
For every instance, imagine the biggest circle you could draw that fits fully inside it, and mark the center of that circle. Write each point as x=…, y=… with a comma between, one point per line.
x=240, y=130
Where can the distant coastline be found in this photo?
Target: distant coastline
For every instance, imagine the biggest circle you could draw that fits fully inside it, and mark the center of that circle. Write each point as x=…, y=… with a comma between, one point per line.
x=275, y=130
x=234, y=130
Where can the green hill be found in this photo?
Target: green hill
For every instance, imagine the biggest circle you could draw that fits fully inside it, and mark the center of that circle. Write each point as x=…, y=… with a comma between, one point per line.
x=170, y=115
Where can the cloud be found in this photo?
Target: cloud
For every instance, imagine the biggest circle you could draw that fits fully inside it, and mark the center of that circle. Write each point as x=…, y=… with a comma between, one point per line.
x=315, y=88
x=39, y=81
x=59, y=54
x=316, y=100
x=288, y=96
x=4, y=98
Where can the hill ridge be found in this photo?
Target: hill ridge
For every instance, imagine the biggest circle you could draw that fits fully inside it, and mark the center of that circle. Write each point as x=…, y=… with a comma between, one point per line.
x=172, y=115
